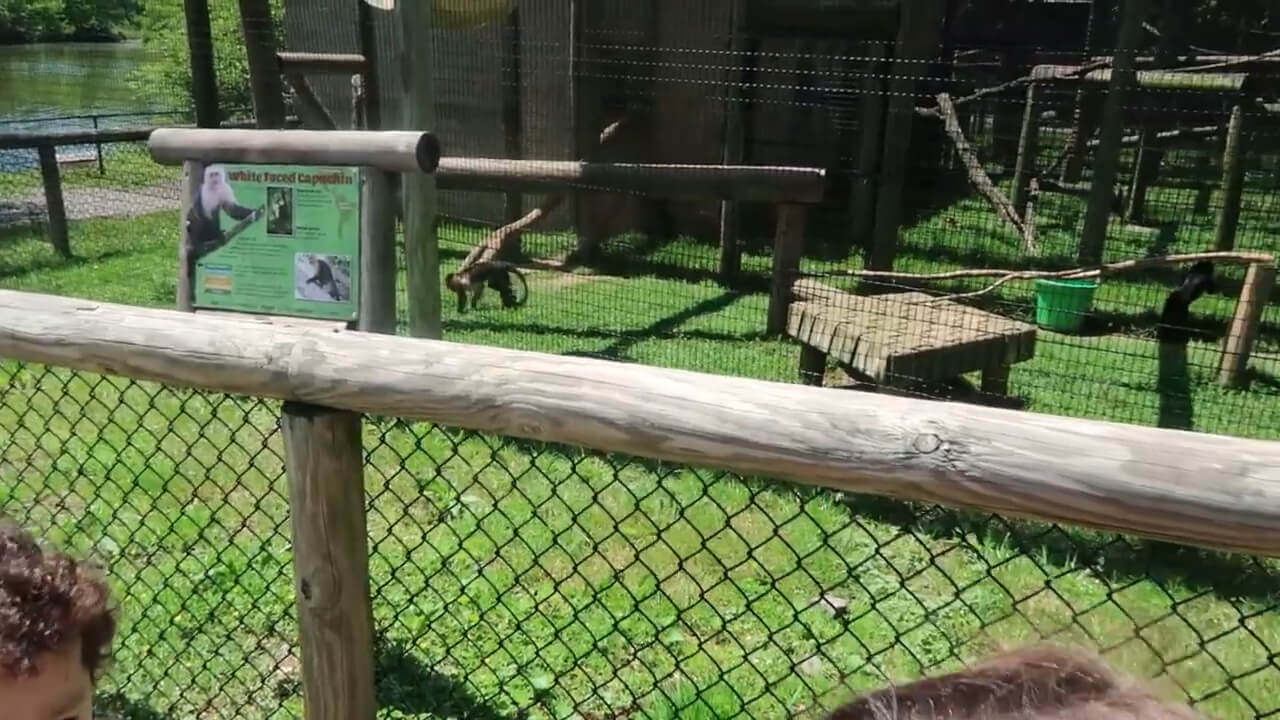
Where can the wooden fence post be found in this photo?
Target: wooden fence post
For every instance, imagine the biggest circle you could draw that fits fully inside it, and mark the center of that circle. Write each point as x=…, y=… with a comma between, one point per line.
x=192, y=176
x=324, y=461
x=1243, y=331
x=788, y=247
x=57, y=209
x=378, y=252
x=1224, y=237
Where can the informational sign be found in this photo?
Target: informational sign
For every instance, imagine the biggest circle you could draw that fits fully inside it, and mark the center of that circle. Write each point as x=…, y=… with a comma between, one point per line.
x=278, y=240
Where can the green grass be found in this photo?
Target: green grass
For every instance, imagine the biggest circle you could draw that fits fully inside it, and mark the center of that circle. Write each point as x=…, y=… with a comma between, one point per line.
x=513, y=575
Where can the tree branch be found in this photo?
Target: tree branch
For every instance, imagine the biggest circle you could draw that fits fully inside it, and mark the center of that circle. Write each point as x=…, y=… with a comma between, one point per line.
x=495, y=241
x=977, y=176
x=1006, y=276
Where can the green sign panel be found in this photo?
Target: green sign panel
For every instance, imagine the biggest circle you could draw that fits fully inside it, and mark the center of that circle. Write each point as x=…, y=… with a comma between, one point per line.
x=276, y=239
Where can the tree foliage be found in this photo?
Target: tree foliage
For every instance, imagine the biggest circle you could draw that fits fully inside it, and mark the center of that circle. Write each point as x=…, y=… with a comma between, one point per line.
x=43, y=20
x=164, y=77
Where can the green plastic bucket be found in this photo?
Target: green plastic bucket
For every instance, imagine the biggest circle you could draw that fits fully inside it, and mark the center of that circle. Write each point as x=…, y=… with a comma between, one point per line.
x=1061, y=305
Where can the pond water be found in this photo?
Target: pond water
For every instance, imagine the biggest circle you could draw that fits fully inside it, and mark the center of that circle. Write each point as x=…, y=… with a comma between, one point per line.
x=67, y=86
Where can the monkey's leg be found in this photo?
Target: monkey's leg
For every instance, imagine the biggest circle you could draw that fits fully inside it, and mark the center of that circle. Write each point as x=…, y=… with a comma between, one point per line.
x=475, y=295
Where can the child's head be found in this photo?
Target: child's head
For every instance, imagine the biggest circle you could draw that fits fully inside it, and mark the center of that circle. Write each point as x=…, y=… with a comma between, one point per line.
x=1036, y=683
x=56, y=627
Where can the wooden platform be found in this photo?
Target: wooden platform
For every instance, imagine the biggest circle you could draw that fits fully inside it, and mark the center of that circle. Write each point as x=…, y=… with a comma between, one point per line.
x=896, y=338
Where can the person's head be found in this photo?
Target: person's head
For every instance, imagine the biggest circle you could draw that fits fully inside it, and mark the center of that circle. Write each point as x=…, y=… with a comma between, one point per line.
x=1036, y=683
x=56, y=628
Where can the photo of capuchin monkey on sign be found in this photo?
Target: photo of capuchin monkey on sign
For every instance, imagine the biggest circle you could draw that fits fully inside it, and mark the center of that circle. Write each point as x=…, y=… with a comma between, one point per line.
x=204, y=221
x=323, y=278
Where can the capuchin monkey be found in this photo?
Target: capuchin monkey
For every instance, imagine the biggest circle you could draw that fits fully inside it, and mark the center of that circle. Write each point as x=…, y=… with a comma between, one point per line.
x=494, y=273
x=323, y=278
x=1036, y=683
x=204, y=222
x=1176, y=314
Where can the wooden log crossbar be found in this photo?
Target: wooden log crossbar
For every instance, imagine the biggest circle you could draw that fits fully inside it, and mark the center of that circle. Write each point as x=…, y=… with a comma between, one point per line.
x=391, y=150
x=1214, y=491
x=747, y=183
x=307, y=63
x=1144, y=79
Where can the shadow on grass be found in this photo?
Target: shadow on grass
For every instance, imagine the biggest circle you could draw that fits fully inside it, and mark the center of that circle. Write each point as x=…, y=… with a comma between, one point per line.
x=627, y=336
x=1119, y=559
x=1174, y=388
x=404, y=683
x=117, y=706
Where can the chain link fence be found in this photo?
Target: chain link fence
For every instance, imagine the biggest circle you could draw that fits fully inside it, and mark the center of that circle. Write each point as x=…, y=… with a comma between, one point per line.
x=516, y=579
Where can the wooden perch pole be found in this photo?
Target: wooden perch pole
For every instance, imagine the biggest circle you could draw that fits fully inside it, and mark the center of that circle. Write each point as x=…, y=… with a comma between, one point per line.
x=1224, y=237
x=919, y=28
x=418, y=190
x=1025, y=168
x=1215, y=491
x=1093, y=236
x=55, y=205
x=1243, y=332
x=310, y=109
x=264, y=69
x=1150, y=152
x=981, y=181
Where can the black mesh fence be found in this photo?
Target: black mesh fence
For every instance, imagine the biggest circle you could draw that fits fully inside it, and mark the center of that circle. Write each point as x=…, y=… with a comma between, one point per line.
x=517, y=579
x=961, y=138
x=964, y=143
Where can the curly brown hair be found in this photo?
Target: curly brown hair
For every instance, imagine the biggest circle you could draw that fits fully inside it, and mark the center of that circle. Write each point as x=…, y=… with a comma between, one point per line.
x=48, y=599
x=1040, y=682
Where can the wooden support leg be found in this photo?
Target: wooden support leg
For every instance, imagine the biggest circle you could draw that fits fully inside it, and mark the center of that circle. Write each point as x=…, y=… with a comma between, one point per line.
x=995, y=377
x=813, y=365
x=788, y=247
x=1243, y=331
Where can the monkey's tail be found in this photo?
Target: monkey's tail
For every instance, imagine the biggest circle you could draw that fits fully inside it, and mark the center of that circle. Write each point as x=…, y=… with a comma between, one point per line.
x=523, y=284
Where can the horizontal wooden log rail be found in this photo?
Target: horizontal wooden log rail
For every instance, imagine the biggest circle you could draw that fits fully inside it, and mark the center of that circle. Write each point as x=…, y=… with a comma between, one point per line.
x=747, y=183
x=1145, y=79
x=1199, y=489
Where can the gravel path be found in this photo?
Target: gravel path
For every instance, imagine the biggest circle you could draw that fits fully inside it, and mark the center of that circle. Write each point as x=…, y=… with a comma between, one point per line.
x=88, y=202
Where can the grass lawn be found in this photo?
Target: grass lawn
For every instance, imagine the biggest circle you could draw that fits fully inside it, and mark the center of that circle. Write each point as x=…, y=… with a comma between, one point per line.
x=511, y=575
